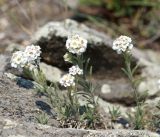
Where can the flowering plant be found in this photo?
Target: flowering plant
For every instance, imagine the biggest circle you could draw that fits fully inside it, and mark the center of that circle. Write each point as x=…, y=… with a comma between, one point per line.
x=76, y=44
x=28, y=61
x=77, y=77
x=67, y=104
x=76, y=106
x=123, y=45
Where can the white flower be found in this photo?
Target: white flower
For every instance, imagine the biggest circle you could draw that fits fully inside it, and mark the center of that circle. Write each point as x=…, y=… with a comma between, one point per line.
x=29, y=58
x=76, y=44
x=18, y=59
x=67, y=58
x=75, y=70
x=122, y=44
x=67, y=80
x=32, y=52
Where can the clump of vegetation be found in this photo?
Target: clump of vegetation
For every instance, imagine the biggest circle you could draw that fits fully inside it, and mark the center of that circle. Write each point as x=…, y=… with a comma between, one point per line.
x=76, y=106
x=75, y=79
x=122, y=8
x=42, y=118
x=67, y=103
x=123, y=45
x=115, y=113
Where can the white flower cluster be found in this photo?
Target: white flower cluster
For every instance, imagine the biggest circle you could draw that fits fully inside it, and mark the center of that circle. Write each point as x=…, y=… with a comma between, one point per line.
x=32, y=52
x=122, y=44
x=76, y=44
x=18, y=59
x=26, y=58
x=67, y=80
x=75, y=70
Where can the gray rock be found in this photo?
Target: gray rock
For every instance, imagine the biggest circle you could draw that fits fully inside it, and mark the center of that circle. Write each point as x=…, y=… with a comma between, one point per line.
x=4, y=59
x=17, y=102
x=68, y=27
x=151, y=74
x=53, y=122
x=36, y=130
x=72, y=4
x=117, y=91
x=106, y=105
x=14, y=46
x=51, y=73
x=150, y=106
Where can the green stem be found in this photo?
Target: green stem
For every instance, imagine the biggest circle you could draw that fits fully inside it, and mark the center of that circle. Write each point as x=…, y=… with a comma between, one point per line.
x=128, y=68
x=69, y=91
x=80, y=62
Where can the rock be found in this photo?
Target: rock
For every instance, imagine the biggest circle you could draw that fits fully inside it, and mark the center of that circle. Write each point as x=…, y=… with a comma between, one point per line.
x=117, y=91
x=51, y=73
x=35, y=130
x=72, y=4
x=14, y=46
x=53, y=122
x=68, y=27
x=150, y=74
x=106, y=105
x=9, y=124
x=4, y=59
x=150, y=106
x=18, y=103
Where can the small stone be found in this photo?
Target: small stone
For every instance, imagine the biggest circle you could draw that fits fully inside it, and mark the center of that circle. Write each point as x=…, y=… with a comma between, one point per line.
x=105, y=89
x=9, y=124
x=118, y=126
x=54, y=123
